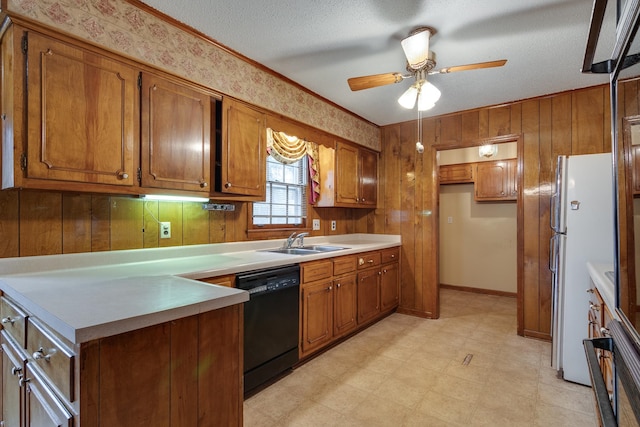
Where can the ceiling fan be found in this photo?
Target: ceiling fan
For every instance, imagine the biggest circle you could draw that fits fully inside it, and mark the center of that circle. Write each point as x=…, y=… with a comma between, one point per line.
x=420, y=63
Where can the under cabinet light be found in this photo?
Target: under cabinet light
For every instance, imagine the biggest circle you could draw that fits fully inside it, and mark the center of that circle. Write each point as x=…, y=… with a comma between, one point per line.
x=168, y=198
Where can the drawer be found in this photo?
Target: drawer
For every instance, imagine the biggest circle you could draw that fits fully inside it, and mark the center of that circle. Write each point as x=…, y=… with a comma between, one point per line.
x=390, y=255
x=344, y=264
x=316, y=270
x=54, y=358
x=13, y=321
x=369, y=259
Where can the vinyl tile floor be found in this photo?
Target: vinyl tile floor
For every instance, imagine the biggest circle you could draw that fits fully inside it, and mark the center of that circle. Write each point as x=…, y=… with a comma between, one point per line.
x=408, y=371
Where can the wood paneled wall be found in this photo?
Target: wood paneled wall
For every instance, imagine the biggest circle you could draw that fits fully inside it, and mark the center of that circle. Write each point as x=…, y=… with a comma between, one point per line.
x=576, y=122
x=46, y=223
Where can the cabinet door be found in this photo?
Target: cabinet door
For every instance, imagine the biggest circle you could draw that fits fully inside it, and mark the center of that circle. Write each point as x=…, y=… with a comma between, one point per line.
x=243, y=154
x=368, y=178
x=456, y=174
x=389, y=287
x=317, y=315
x=496, y=180
x=83, y=115
x=43, y=409
x=368, y=294
x=12, y=398
x=346, y=173
x=176, y=135
x=345, y=304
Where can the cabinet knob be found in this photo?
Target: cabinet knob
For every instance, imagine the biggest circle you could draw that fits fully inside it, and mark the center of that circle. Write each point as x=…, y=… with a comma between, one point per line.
x=123, y=175
x=227, y=185
x=329, y=288
x=338, y=285
x=393, y=255
x=40, y=355
x=204, y=184
x=384, y=271
x=604, y=331
x=8, y=320
x=595, y=307
x=363, y=200
x=379, y=273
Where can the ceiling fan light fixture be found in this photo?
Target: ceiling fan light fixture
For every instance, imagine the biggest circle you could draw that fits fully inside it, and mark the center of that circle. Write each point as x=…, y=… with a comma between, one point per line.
x=409, y=97
x=429, y=95
x=416, y=47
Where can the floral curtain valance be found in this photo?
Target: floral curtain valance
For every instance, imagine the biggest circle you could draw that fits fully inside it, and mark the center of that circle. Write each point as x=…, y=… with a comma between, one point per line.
x=289, y=149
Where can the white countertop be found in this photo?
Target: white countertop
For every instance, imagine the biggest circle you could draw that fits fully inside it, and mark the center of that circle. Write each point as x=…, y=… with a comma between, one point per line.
x=604, y=285
x=92, y=295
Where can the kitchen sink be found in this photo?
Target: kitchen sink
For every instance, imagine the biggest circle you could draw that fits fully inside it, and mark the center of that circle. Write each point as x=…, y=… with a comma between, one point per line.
x=323, y=248
x=293, y=251
x=306, y=250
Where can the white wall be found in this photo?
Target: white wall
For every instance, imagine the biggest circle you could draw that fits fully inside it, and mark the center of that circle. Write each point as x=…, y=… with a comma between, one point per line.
x=478, y=248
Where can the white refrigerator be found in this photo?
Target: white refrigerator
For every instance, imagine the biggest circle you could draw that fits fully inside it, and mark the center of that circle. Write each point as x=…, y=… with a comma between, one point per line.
x=581, y=220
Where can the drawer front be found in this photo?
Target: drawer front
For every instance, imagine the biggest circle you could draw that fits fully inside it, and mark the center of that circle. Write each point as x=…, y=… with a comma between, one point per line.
x=345, y=264
x=53, y=357
x=13, y=321
x=390, y=255
x=369, y=259
x=316, y=270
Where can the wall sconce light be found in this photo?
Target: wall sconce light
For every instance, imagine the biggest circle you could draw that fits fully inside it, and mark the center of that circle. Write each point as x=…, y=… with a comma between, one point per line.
x=488, y=150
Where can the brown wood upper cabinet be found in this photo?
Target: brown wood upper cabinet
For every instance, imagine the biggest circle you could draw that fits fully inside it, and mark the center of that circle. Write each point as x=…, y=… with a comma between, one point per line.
x=87, y=126
x=176, y=135
x=496, y=180
x=349, y=176
x=82, y=114
x=456, y=174
x=242, y=155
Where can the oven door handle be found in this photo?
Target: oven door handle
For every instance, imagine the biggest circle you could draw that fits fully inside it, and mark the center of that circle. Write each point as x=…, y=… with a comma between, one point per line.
x=607, y=417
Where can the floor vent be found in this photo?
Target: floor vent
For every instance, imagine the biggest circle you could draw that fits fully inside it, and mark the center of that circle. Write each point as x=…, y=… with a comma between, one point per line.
x=467, y=359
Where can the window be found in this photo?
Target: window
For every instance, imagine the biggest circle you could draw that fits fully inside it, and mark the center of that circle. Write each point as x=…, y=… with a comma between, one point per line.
x=286, y=202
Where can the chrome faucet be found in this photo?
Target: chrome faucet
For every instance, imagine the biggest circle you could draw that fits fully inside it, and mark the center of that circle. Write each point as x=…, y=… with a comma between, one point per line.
x=291, y=239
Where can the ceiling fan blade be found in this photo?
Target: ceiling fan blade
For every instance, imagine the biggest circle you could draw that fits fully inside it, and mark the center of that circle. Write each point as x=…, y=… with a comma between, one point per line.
x=455, y=68
x=375, y=80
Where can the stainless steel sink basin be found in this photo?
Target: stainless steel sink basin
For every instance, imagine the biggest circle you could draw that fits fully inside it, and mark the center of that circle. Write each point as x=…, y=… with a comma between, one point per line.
x=324, y=248
x=305, y=250
x=293, y=251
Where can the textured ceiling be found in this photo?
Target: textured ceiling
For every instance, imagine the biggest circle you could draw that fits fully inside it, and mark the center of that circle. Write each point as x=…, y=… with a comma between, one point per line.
x=320, y=44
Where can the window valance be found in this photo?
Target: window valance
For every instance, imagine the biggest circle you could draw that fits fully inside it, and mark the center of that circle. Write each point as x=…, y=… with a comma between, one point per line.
x=289, y=149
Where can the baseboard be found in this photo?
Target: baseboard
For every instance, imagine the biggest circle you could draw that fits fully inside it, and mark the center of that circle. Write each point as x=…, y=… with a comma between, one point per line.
x=537, y=335
x=479, y=290
x=416, y=313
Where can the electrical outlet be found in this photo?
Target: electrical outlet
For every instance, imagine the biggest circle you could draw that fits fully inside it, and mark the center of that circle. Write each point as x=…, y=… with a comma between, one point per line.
x=165, y=230
x=333, y=225
x=316, y=224
x=450, y=219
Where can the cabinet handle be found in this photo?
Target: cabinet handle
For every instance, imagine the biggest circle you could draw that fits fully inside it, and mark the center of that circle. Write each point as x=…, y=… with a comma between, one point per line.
x=16, y=370
x=593, y=306
x=22, y=381
x=203, y=184
x=370, y=261
x=604, y=331
x=4, y=116
x=8, y=320
x=227, y=185
x=40, y=355
x=590, y=290
x=123, y=175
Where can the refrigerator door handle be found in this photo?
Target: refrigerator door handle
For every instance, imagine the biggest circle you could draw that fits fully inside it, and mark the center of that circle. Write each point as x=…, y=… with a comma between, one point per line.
x=553, y=213
x=553, y=254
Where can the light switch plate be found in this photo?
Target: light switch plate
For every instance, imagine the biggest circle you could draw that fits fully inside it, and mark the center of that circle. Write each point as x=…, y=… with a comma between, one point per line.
x=165, y=230
x=316, y=224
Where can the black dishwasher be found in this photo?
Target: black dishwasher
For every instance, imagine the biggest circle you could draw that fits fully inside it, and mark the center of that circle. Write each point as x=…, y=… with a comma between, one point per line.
x=271, y=319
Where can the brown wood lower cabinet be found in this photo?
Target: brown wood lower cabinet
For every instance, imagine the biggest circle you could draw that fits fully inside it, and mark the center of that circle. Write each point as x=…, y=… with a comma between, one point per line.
x=317, y=315
x=186, y=372
x=340, y=295
x=345, y=304
x=599, y=316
